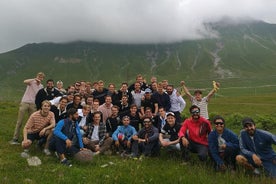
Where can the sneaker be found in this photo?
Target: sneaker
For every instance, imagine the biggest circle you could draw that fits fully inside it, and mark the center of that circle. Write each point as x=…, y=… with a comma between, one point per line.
x=47, y=152
x=256, y=172
x=66, y=162
x=25, y=154
x=14, y=142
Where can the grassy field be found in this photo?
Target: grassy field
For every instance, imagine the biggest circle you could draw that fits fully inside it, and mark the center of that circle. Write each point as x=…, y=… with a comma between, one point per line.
x=165, y=169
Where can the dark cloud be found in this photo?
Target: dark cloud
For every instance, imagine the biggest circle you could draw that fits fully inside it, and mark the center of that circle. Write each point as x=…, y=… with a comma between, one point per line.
x=120, y=21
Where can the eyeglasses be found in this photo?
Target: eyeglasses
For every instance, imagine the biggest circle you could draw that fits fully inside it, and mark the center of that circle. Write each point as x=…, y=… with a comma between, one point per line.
x=146, y=121
x=219, y=123
x=195, y=111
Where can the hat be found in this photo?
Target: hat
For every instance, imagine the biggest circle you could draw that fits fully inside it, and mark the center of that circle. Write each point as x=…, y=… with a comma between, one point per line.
x=170, y=114
x=246, y=121
x=148, y=90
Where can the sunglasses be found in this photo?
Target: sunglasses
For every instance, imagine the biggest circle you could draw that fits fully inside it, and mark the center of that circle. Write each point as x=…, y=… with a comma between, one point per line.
x=195, y=112
x=219, y=123
x=146, y=121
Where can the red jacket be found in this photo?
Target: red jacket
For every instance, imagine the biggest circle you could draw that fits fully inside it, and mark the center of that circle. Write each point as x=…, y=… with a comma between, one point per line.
x=197, y=131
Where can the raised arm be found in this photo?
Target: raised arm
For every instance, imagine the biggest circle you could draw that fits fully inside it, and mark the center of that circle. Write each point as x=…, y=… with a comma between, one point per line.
x=185, y=89
x=216, y=86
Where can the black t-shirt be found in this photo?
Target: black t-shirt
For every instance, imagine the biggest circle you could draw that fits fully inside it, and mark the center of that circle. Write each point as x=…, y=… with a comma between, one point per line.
x=149, y=103
x=171, y=131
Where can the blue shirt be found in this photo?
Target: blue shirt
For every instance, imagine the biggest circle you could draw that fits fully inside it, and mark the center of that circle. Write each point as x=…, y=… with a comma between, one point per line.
x=260, y=144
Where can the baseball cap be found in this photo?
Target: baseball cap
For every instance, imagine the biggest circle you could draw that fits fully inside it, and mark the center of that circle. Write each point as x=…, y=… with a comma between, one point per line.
x=246, y=121
x=170, y=114
x=148, y=90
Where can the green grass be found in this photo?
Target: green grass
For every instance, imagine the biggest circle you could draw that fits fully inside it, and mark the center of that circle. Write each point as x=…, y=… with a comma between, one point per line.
x=165, y=169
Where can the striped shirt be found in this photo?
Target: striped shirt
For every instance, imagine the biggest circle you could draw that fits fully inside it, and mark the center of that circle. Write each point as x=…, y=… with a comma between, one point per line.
x=37, y=122
x=203, y=105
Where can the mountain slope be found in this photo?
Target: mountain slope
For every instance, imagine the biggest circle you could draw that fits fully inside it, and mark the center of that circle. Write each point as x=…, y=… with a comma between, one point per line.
x=242, y=54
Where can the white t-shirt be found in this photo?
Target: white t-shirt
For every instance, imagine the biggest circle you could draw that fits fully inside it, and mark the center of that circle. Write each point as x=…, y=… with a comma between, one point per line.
x=95, y=134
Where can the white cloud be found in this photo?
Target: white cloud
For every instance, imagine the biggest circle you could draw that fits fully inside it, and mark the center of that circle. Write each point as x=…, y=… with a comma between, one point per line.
x=123, y=21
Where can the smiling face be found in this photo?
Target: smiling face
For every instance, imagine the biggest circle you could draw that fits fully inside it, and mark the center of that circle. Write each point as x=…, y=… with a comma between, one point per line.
x=171, y=120
x=219, y=125
x=250, y=128
x=195, y=113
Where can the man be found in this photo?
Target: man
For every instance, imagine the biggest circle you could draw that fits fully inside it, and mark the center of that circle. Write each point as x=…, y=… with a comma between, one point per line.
x=114, y=94
x=135, y=119
x=177, y=102
x=100, y=92
x=27, y=103
x=198, y=100
x=141, y=81
x=223, y=146
x=137, y=94
x=160, y=119
x=193, y=134
x=256, y=149
x=67, y=137
x=123, y=91
x=76, y=103
x=148, y=101
x=106, y=108
x=39, y=127
x=146, y=141
x=124, y=106
x=82, y=119
x=95, y=137
x=169, y=133
x=113, y=121
x=48, y=93
x=123, y=136
x=162, y=98
x=60, y=110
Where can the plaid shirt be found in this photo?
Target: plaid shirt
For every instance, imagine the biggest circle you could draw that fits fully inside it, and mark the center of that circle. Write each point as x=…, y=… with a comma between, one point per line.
x=102, y=131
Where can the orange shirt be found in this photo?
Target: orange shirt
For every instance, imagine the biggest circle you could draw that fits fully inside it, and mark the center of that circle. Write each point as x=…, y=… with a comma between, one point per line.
x=37, y=122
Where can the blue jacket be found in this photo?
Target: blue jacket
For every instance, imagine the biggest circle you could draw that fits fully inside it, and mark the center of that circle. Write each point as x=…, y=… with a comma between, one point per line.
x=231, y=141
x=128, y=131
x=64, y=130
x=261, y=144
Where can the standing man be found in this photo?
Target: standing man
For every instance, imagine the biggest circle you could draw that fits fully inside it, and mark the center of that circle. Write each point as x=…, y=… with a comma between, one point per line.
x=223, y=146
x=48, y=93
x=198, y=100
x=177, y=102
x=162, y=98
x=106, y=108
x=39, y=127
x=193, y=135
x=256, y=149
x=27, y=103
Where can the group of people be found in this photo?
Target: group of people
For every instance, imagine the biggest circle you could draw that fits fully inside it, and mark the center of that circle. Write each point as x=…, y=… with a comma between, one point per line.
x=136, y=121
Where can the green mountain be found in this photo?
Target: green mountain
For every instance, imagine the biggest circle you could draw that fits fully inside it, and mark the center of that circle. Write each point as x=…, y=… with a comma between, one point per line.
x=242, y=54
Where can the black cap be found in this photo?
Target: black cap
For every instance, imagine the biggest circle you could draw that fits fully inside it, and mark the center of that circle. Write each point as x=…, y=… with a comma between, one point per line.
x=246, y=121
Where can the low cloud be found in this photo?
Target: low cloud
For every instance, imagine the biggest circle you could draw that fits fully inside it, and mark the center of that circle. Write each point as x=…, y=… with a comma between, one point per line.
x=120, y=21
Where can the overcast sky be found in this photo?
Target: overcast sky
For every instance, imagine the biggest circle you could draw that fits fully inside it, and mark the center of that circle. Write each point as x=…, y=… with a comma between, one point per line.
x=119, y=21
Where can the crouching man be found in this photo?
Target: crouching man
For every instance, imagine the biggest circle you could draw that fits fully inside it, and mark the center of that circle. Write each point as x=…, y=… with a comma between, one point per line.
x=96, y=137
x=39, y=127
x=67, y=138
x=123, y=136
x=256, y=149
x=169, y=133
x=146, y=141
